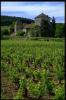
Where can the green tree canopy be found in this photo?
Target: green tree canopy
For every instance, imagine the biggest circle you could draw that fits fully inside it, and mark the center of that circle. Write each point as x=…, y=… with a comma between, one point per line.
x=53, y=24
x=45, y=28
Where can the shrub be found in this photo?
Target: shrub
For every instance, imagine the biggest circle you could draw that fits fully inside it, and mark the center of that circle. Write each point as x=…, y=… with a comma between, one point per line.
x=23, y=86
x=60, y=30
x=59, y=73
x=50, y=86
x=11, y=30
x=59, y=93
x=5, y=32
x=19, y=95
x=35, y=31
x=34, y=89
x=22, y=82
x=20, y=33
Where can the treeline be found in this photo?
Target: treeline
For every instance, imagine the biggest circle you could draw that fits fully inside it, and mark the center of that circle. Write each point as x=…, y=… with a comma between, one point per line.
x=8, y=20
x=60, y=30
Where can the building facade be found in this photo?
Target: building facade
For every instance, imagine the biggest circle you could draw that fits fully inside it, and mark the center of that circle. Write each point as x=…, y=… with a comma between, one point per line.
x=26, y=27
x=39, y=18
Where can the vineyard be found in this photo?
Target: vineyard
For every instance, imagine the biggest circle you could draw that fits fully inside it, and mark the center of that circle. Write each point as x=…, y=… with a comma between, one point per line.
x=32, y=69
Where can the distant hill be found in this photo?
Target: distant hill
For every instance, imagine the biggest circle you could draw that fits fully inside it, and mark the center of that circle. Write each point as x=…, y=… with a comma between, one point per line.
x=8, y=20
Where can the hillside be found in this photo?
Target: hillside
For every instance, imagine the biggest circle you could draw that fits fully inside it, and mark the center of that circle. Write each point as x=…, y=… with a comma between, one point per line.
x=8, y=20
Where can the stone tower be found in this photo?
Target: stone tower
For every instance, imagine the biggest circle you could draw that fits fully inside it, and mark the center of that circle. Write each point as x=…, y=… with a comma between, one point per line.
x=18, y=26
x=15, y=28
x=38, y=19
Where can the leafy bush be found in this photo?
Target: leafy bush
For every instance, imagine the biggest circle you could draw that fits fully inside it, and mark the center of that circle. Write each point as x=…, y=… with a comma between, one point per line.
x=5, y=31
x=19, y=95
x=60, y=30
x=37, y=75
x=59, y=73
x=44, y=75
x=59, y=93
x=34, y=89
x=22, y=82
x=11, y=29
x=35, y=31
x=23, y=86
x=50, y=86
x=20, y=33
x=13, y=74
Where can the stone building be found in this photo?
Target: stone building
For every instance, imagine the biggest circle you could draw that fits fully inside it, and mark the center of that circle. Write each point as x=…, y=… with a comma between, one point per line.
x=22, y=27
x=26, y=27
x=38, y=19
x=18, y=26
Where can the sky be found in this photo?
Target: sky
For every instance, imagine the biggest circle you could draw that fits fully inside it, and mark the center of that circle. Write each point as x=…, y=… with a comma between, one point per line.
x=32, y=9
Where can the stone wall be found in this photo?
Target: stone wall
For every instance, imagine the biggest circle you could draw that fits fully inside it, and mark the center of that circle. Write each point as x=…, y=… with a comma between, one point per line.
x=38, y=21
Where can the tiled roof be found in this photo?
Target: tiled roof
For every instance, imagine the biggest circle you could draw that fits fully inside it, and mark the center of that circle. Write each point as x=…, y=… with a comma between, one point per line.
x=28, y=25
x=42, y=15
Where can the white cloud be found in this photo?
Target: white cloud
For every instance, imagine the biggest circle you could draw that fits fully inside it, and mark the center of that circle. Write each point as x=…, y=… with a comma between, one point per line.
x=52, y=9
x=30, y=8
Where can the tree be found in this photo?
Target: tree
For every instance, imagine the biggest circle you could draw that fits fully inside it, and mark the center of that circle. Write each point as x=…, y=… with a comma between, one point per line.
x=8, y=20
x=45, y=28
x=12, y=27
x=60, y=30
x=53, y=27
x=5, y=31
x=64, y=31
x=20, y=33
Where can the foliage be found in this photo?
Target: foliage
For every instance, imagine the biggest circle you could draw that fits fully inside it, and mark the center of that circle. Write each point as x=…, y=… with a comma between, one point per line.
x=12, y=27
x=50, y=86
x=34, y=89
x=31, y=64
x=19, y=95
x=22, y=82
x=5, y=31
x=8, y=20
x=53, y=27
x=59, y=73
x=20, y=33
x=59, y=93
x=60, y=30
x=45, y=28
x=35, y=31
